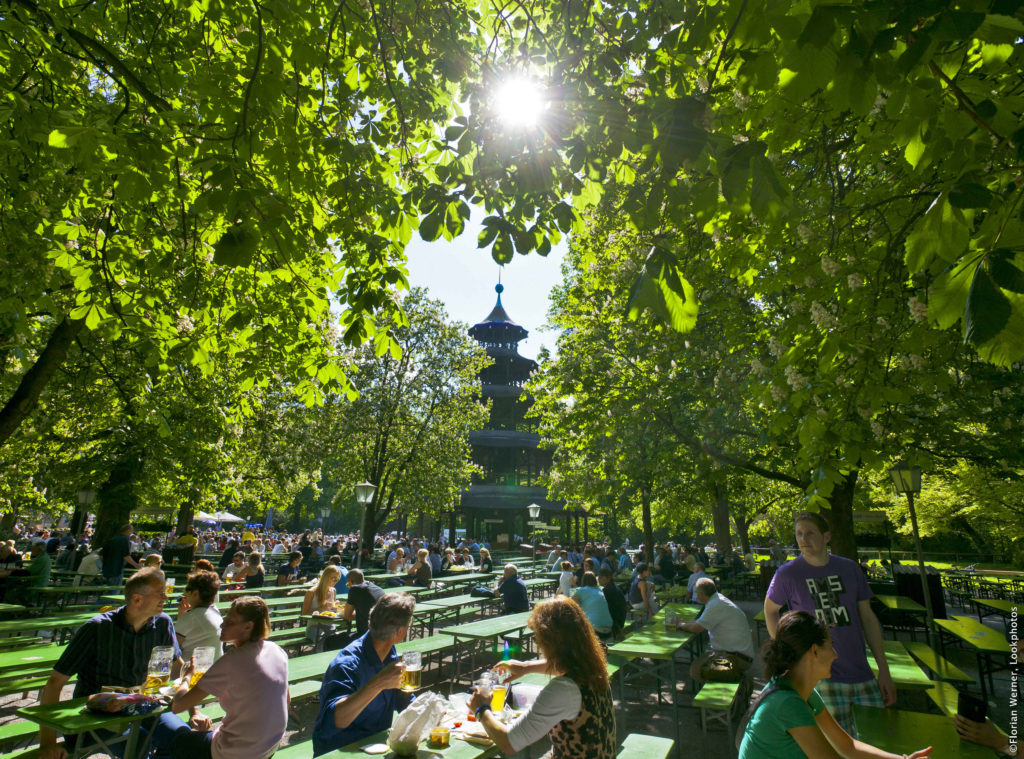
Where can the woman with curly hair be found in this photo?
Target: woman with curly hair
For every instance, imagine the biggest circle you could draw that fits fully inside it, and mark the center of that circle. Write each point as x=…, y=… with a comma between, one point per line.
x=575, y=708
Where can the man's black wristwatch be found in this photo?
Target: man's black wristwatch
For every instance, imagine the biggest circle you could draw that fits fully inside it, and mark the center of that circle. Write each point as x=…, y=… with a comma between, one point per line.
x=481, y=709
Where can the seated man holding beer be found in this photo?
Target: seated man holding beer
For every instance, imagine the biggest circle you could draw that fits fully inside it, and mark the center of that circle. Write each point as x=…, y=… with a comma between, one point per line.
x=360, y=692
x=112, y=649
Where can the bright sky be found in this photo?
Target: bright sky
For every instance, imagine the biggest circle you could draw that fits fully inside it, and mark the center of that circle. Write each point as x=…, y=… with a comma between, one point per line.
x=463, y=278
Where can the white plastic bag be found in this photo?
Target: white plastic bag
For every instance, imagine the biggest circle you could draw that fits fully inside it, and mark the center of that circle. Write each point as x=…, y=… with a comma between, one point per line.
x=416, y=722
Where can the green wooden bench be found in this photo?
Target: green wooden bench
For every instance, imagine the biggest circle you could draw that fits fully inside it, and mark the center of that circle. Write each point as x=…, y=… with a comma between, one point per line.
x=302, y=750
x=14, y=732
x=23, y=686
x=31, y=753
x=934, y=661
x=19, y=641
x=715, y=703
x=944, y=695
x=638, y=746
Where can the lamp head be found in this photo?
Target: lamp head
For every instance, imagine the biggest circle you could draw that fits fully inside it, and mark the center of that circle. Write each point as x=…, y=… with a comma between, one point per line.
x=534, y=510
x=906, y=479
x=364, y=492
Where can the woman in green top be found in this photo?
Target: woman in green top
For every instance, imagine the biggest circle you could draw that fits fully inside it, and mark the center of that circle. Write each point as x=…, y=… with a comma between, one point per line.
x=789, y=719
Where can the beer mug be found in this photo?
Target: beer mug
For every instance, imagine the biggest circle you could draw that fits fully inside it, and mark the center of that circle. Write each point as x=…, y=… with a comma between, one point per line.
x=169, y=584
x=498, y=694
x=158, y=672
x=485, y=684
x=411, y=678
x=202, y=660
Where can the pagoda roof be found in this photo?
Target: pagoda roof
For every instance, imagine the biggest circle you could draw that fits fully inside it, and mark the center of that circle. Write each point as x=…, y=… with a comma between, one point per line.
x=497, y=326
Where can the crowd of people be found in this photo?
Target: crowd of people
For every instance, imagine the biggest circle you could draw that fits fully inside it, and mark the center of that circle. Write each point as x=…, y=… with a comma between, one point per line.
x=814, y=663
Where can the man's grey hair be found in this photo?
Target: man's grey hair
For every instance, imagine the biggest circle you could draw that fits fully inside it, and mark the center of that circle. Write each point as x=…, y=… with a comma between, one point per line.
x=706, y=587
x=392, y=611
x=511, y=569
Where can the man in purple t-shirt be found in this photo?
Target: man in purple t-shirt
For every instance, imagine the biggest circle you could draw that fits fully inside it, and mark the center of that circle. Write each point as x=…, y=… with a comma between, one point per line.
x=833, y=588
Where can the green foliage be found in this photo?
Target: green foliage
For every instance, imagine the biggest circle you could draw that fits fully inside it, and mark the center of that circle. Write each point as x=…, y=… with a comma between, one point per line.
x=408, y=430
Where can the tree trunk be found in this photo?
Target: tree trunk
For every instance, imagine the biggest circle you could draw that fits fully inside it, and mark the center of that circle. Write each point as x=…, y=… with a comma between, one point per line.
x=185, y=516
x=720, y=515
x=34, y=381
x=743, y=530
x=645, y=507
x=840, y=517
x=116, y=498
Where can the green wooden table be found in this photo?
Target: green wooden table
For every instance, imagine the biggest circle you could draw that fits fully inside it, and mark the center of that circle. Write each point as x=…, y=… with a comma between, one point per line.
x=464, y=578
x=652, y=642
x=484, y=629
x=537, y=584
x=71, y=718
x=30, y=657
x=987, y=606
x=11, y=608
x=906, y=674
x=431, y=608
x=903, y=732
x=903, y=613
x=458, y=749
x=62, y=623
x=901, y=603
x=982, y=639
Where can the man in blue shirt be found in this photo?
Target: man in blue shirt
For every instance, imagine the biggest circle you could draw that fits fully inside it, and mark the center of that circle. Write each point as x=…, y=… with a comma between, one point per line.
x=360, y=692
x=512, y=590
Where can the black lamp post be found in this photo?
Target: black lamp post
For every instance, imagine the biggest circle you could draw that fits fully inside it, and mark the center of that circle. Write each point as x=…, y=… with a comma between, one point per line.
x=325, y=511
x=907, y=480
x=364, y=495
x=86, y=498
x=534, y=511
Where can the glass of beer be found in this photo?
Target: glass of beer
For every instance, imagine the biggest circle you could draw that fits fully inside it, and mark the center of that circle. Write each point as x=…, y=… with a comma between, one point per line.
x=158, y=673
x=169, y=584
x=411, y=678
x=202, y=660
x=498, y=694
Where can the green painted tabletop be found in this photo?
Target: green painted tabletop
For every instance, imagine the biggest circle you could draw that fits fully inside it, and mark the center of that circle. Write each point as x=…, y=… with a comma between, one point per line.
x=901, y=603
x=1008, y=607
x=310, y=666
x=971, y=631
x=905, y=672
x=903, y=732
x=50, y=622
x=538, y=582
x=408, y=590
x=491, y=627
x=651, y=642
x=457, y=750
x=436, y=642
x=686, y=612
x=29, y=657
x=273, y=604
x=266, y=590
x=11, y=608
x=452, y=602
x=64, y=590
x=71, y=717
x=464, y=577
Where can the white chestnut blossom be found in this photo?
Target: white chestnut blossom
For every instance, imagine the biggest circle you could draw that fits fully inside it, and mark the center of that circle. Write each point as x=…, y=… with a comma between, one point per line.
x=794, y=378
x=822, y=318
x=918, y=309
x=830, y=267
x=854, y=281
x=877, y=429
x=778, y=394
x=185, y=324
x=804, y=231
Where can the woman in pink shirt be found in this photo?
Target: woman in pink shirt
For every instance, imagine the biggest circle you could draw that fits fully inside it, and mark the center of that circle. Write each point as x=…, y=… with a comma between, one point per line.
x=251, y=683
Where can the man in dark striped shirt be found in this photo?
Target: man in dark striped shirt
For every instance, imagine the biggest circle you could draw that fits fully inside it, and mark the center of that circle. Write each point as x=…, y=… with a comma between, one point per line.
x=112, y=648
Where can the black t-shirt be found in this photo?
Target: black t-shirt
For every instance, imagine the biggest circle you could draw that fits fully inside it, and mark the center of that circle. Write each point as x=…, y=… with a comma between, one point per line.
x=363, y=597
x=617, y=605
x=114, y=552
x=256, y=580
